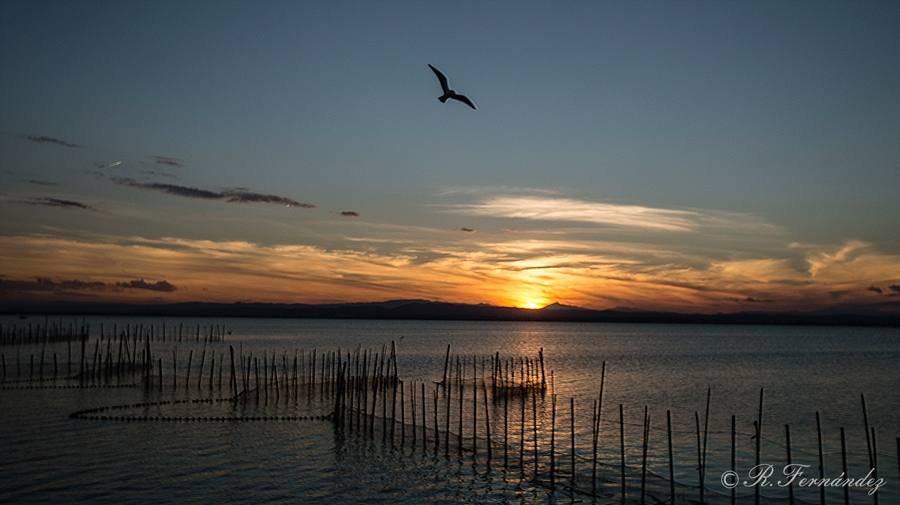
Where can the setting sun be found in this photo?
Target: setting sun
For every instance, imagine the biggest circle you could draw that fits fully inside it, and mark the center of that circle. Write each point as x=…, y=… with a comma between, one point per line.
x=532, y=301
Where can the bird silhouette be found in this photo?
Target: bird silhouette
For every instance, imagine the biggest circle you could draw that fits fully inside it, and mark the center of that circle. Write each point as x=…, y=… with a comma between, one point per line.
x=449, y=93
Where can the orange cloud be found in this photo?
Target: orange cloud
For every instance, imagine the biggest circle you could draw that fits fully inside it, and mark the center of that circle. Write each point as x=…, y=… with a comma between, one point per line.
x=508, y=272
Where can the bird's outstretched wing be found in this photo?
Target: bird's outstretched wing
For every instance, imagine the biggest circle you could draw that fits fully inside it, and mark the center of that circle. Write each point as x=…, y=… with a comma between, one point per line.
x=441, y=77
x=464, y=99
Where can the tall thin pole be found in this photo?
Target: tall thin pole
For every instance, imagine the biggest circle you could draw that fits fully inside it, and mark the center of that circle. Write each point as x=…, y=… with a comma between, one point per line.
x=671, y=459
x=622, y=446
x=821, y=458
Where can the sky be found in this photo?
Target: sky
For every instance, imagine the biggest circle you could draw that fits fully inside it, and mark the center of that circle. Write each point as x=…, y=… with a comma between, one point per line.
x=690, y=156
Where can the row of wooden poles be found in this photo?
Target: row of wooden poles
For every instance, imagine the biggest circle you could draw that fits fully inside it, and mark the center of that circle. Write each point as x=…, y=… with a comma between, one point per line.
x=63, y=331
x=364, y=390
x=111, y=360
x=365, y=395
x=503, y=372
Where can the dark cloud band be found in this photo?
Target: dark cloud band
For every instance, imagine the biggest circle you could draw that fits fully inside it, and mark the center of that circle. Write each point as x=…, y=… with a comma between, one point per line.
x=45, y=284
x=43, y=139
x=58, y=203
x=168, y=160
x=232, y=195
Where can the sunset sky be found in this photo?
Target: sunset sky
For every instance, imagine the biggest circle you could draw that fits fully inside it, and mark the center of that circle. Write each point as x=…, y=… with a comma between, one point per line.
x=691, y=156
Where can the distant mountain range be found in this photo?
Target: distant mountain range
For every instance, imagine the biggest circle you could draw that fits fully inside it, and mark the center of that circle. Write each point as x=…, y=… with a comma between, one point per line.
x=884, y=314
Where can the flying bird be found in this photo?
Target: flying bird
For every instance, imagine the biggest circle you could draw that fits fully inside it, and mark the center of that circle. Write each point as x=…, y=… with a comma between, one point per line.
x=449, y=93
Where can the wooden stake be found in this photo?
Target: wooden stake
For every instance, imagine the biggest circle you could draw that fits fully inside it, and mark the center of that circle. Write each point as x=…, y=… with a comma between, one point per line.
x=552, y=441
x=448, y=390
x=474, y=410
x=459, y=436
x=705, y=439
x=865, y=413
x=233, y=375
x=874, y=463
x=522, y=437
x=446, y=364
x=699, y=458
x=487, y=424
x=787, y=440
x=393, y=412
x=572, y=438
x=733, y=456
x=821, y=458
x=622, y=446
x=424, y=426
x=596, y=429
x=437, y=438
x=505, y=428
x=644, y=454
x=758, y=443
x=844, y=465
x=534, y=419
x=672, y=460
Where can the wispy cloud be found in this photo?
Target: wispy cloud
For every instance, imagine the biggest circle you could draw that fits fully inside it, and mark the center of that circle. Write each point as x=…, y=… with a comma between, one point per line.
x=467, y=230
x=507, y=190
x=349, y=213
x=168, y=160
x=56, y=202
x=567, y=209
x=232, y=195
x=641, y=217
x=240, y=196
x=43, y=139
x=47, y=284
x=159, y=173
x=39, y=182
x=164, y=286
x=875, y=289
x=172, y=189
x=111, y=164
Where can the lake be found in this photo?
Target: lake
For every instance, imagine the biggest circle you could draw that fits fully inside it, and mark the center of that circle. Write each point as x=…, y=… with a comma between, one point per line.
x=803, y=370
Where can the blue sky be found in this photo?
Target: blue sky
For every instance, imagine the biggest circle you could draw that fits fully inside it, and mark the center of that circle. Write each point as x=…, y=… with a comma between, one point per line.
x=785, y=114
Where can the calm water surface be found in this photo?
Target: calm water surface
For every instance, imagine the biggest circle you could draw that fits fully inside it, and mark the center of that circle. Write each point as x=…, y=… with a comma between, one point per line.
x=49, y=457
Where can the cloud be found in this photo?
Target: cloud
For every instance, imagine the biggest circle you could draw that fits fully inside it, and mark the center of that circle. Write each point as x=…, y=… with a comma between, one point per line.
x=48, y=285
x=111, y=164
x=895, y=288
x=875, y=289
x=164, y=286
x=43, y=139
x=541, y=208
x=349, y=213
x=39, y=182
x=475, y=190
x=233, y=195
x=239, y=196
x=57, y=202
x=467, y=230
x=172, y=189
x=168, y=160
x=160, y=173
x=436, y=264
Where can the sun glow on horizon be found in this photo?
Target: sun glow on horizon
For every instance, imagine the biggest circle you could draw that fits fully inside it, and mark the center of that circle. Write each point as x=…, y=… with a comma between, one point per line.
x=531, y=301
